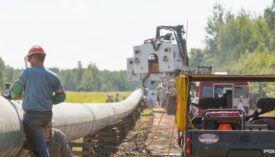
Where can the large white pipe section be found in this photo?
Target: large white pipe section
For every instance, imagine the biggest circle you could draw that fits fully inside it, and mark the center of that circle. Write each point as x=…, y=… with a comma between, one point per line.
x=75, y=120
x=11, y=129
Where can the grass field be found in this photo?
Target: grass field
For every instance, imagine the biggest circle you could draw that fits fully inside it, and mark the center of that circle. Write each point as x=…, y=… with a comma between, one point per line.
x=93, y=97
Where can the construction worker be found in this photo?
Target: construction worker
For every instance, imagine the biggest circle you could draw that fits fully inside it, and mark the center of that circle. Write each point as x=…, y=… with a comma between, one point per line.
x=109, y=99
x=117, y=98
x=42, y=88
x=57, y=142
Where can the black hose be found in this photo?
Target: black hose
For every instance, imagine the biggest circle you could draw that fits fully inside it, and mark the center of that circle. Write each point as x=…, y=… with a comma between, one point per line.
x=155, y=45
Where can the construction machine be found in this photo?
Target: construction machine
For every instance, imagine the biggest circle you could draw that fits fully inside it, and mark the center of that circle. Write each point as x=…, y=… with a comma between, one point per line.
x=162, y=57
x=223, y=130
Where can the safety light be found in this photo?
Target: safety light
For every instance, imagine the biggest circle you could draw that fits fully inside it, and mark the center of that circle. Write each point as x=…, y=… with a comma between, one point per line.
x=187, y=145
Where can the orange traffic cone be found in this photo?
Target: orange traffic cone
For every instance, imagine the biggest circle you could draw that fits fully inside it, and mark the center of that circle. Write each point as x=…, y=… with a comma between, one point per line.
x=225, y=126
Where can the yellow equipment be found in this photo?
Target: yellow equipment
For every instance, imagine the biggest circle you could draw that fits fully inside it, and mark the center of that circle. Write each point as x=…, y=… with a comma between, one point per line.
x=182, y=84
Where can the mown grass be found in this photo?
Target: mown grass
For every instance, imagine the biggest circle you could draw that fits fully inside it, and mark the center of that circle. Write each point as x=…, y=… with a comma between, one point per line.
x=92, y=97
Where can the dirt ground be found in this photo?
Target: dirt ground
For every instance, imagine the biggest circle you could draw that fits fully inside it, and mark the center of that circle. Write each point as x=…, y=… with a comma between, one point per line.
x=162, y=141
x=154, y=135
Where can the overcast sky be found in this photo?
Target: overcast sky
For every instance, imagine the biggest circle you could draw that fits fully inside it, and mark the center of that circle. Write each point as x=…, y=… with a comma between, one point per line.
x=102, y=32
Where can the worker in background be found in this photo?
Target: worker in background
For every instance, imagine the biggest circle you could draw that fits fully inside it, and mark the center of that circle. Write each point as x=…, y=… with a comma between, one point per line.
x=111, y=98
x=57, y=142
x=42, y=88
x=152, y=99
x=108, y=99
x=117, y=98
x=240, y=105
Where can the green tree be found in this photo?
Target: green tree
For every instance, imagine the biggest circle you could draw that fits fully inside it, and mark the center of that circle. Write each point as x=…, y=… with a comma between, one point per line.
x=79, y=72
x=197, y=57
x=87, y=83
x=269, y=15
x=213, y=24
x=2, y=72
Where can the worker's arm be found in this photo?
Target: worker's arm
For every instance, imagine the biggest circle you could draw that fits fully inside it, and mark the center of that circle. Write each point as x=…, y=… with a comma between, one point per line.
x=59, y=91
x=65, y=148
x=16, y=89
x=59, y=96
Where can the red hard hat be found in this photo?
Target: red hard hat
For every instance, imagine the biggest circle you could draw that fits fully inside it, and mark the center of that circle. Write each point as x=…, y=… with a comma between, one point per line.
x=36, y=50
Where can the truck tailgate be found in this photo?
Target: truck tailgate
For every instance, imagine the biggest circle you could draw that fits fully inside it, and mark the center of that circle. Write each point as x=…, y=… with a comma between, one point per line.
x=245, y=143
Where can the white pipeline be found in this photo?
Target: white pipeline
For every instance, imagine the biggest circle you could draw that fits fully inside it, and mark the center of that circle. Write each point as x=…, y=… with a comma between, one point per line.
x=75, y=120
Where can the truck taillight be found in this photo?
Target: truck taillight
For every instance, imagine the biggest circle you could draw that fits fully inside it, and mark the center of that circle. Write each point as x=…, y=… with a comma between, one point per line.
x=187, y=145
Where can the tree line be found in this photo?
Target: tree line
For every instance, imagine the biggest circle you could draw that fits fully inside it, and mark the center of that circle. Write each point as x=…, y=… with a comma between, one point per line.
x=242, y=43
x=238, y=43
x=88, y=78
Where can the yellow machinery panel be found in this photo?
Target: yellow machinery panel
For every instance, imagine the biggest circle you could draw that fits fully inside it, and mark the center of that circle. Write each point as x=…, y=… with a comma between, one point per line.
x=182, y=85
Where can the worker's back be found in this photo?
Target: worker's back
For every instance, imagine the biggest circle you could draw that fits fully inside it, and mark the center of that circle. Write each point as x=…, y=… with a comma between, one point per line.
x=39, y=84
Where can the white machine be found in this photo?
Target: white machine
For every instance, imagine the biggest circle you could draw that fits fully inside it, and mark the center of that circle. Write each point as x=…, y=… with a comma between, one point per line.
x=159, y=58
x=149, y=60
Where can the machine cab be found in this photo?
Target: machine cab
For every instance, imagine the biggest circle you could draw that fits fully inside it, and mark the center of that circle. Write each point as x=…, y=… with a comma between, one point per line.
x=234, y=94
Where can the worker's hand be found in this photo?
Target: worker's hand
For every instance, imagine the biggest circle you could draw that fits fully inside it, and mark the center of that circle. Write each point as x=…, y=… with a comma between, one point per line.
x=6, y=94
x=6, y=91
x=180, y=142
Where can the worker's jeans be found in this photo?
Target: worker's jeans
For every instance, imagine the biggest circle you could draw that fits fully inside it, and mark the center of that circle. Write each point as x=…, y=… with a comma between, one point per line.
x=34, y=123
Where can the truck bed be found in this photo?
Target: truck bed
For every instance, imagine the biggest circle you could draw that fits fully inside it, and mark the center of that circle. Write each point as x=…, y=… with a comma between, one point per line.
x=239, y=143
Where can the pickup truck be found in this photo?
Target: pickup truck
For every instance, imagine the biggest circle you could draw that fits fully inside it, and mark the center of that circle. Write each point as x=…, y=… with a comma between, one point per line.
x=222, y=131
